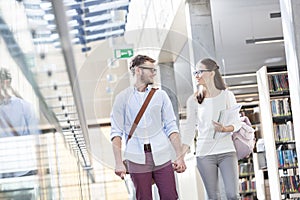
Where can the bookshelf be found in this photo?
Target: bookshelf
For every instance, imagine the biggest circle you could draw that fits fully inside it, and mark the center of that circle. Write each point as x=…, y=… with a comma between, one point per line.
x=247, y=177
x=255, y=178
x=247, y=185
x=278, y=133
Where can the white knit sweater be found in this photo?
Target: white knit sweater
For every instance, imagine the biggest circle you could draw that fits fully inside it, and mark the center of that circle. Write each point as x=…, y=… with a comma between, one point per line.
x=200, y=117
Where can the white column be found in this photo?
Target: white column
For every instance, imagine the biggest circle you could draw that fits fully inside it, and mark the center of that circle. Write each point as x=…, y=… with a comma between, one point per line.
x=290, y=16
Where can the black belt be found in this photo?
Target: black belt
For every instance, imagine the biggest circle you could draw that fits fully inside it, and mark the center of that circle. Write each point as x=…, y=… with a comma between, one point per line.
x=147, y=147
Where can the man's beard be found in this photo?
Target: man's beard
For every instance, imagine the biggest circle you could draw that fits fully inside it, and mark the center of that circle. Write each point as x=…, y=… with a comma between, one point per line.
x=147, y=82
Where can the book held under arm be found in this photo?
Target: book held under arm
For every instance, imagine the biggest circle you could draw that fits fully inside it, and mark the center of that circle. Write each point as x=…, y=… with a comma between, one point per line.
x=229, y=115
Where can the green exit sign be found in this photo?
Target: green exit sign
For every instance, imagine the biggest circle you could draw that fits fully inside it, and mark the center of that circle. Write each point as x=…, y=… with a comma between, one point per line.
x=123, y=53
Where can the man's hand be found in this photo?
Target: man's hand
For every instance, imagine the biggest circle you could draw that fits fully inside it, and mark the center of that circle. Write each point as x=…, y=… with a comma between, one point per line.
x=120, y=170
x=179, y=165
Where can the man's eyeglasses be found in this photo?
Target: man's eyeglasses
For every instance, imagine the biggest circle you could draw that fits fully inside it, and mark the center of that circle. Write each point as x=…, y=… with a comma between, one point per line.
x=153, y=70
x=201, y=71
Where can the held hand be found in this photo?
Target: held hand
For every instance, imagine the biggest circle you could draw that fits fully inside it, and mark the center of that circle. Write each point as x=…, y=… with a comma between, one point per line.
x=120, y=170
x=179, y=165
x=218, y=127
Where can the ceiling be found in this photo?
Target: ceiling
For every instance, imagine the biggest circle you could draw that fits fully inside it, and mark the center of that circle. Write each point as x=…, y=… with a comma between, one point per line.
x=234, y=22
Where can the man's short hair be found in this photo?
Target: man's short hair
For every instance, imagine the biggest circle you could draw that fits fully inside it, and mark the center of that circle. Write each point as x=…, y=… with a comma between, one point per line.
x=4, y=74
x=139, y=60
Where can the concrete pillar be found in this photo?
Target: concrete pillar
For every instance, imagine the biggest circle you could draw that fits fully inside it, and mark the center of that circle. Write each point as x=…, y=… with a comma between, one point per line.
x=201, y=33
x=168, y=84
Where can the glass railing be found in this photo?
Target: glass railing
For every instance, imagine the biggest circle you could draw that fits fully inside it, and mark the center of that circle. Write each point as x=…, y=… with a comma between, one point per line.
x=50, y=70
x=50, y=165
x=40, y=167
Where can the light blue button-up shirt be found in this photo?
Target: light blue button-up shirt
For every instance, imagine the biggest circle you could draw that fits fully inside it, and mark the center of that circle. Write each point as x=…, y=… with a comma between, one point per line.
x=155, y=126
x=19, y=114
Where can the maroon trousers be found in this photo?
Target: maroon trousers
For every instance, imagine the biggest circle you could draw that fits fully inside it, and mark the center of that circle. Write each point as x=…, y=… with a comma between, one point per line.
x=163, y=175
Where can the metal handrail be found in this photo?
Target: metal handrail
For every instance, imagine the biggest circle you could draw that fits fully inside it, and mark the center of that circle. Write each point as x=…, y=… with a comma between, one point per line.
x=67, y=49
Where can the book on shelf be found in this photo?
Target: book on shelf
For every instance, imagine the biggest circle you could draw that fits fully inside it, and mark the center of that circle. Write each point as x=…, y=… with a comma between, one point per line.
x=246, y=169
x=280, y=107
x=278, y=82
x=283, y=132
x=246, y=185
x=289, y=184
x=290, y=131
x=287, y=158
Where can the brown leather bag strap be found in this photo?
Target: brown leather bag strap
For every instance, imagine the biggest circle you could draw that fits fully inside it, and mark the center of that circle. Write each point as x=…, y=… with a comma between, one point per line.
x=140, y=113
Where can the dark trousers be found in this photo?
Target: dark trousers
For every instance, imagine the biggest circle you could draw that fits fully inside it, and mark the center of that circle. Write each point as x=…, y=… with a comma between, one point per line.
x=163, y=175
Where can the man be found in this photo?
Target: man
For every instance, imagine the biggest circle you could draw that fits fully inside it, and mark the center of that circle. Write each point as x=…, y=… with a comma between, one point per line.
x=17, y=117
x=148, y=152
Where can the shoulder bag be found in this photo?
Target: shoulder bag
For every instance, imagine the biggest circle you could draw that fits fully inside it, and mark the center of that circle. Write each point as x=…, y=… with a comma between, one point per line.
x=138, y=118
x=243, y=139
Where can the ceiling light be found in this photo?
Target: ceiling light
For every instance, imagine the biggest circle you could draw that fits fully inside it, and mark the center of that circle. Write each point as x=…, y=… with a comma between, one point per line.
x=248, y=95
x=248, y=99
x=234, y=87
x=239, y=75
x=273, y=60
x=45, y=5
x=247, y=82
x=49, y=17
x=118, y=15
x=264, y=40
x=111, y=78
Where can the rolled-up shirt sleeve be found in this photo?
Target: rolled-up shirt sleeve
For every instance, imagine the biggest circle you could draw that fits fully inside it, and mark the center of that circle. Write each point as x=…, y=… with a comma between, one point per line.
x=168, y=115
x=117, y=117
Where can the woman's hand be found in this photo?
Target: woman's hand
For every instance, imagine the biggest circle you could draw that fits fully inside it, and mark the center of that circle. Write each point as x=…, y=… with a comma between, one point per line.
x=179, y=165
x=218, y=127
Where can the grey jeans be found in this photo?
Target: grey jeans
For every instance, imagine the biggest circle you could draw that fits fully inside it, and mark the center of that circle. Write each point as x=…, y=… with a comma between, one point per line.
x=228, y=164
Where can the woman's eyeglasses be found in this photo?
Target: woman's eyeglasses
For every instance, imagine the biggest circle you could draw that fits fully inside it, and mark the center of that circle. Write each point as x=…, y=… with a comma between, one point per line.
x=153, y=70
x=201, y=71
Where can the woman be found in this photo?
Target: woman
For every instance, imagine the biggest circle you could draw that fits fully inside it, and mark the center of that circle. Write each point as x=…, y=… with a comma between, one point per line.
x=215, y=149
